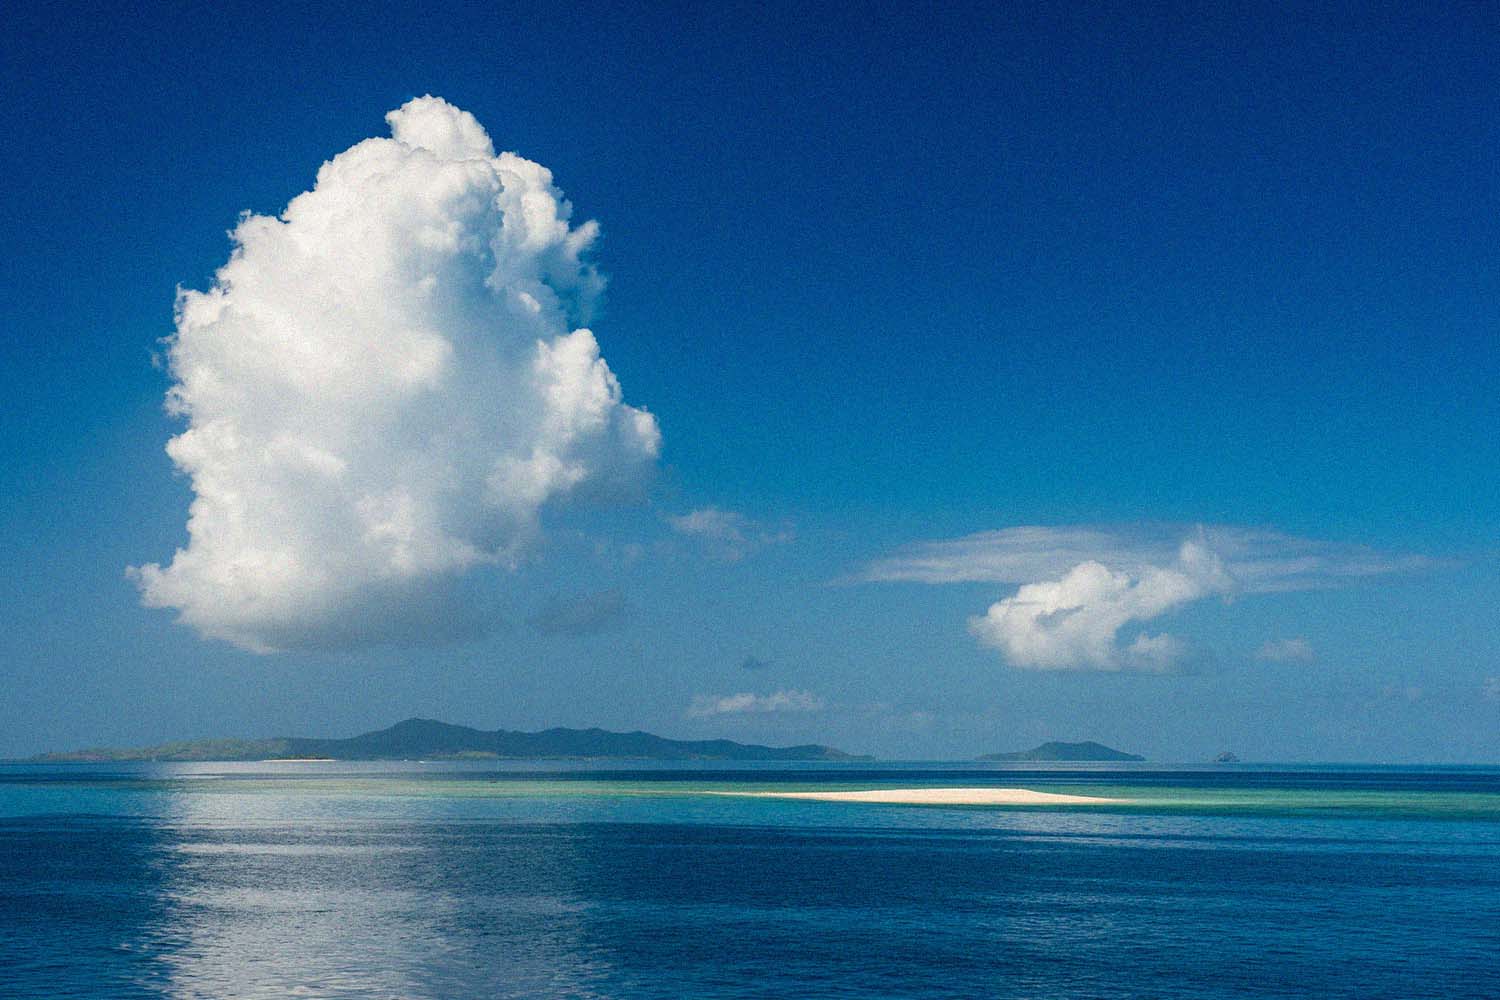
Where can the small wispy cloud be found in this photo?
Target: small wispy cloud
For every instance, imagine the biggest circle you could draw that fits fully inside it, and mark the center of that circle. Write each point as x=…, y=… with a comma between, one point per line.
x=754, y=663
x=1296, y=650
x=1491, y=688
x=1259, y=560
x=744, y=703
x=726, y=534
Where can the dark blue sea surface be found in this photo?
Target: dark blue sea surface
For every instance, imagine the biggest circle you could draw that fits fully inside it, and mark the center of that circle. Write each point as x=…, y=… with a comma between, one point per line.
x=505, y=880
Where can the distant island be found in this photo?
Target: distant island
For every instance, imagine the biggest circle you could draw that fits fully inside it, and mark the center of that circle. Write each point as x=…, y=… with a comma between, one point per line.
x=429, y=739
x=1066, y=751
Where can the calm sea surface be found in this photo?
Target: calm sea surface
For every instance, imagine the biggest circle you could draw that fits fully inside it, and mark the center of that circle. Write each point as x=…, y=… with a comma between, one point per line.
x=502, y=880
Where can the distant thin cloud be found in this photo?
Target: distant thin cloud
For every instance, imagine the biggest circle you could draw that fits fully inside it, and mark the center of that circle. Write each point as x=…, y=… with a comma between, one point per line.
x=744, y=703
x=1259, y=560
x=727, y=535
x=754, y=663
x=1297, y=650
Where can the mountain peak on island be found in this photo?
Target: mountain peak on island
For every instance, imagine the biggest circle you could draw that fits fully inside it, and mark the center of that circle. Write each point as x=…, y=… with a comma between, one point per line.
x=418, y=738
x=1055, y=750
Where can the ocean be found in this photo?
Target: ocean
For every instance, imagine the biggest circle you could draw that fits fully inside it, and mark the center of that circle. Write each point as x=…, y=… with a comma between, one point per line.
x=445, y=880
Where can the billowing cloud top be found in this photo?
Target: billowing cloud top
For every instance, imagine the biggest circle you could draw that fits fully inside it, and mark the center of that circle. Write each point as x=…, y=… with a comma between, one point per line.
x=383, y=388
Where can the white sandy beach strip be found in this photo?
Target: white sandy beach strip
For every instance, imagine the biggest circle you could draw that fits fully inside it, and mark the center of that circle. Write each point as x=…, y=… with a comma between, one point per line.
x=939, y=797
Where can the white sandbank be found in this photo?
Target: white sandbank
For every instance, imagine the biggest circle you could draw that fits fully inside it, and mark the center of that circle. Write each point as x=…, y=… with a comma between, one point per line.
x=939, y=797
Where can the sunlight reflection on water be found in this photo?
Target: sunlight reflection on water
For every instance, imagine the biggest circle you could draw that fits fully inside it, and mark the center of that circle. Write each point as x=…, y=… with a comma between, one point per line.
x=278, y=907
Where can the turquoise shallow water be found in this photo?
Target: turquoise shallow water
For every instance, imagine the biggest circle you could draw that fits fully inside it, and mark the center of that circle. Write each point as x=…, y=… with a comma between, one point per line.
x=479, y=880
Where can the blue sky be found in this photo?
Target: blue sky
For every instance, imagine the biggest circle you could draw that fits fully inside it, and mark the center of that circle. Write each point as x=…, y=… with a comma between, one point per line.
x=883, y=281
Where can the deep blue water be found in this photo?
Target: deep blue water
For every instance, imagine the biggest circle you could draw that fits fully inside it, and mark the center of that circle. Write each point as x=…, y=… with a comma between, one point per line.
x=441, y=881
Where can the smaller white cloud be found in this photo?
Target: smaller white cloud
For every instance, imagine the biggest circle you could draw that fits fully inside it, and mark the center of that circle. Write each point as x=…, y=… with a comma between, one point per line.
x=726, y=534
x=1073, y=623
x=1082, y=590
x=1296, y=650
x=746, y=703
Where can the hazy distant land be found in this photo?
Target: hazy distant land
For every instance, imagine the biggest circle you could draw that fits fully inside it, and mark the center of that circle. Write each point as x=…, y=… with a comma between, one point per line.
x=430, y=739
x=1086, y=751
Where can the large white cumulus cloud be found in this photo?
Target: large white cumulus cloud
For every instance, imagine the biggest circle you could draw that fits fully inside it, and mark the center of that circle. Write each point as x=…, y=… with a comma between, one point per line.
x=383, y=388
